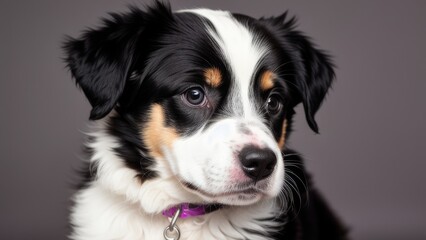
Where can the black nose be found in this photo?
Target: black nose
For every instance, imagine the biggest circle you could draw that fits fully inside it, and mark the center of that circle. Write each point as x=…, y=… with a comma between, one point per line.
x=257, y=163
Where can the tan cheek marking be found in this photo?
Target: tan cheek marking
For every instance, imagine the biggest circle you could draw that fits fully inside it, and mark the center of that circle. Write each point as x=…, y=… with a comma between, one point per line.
x=213, y=77
x=267, y=81
x=281, y=142
x=155, y=134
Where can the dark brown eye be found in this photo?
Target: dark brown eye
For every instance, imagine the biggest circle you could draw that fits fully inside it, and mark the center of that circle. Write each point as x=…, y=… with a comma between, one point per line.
x=195, y=96
x=274, y=105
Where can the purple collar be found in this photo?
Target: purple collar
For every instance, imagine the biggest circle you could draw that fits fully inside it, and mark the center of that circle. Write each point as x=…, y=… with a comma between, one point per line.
x=191, y=210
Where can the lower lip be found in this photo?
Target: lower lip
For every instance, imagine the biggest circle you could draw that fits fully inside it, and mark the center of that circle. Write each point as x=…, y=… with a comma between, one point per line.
x=243, y=192
x=249, y=191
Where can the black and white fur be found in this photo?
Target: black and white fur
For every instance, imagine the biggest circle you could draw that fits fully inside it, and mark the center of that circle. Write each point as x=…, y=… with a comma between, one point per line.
x=165, y=132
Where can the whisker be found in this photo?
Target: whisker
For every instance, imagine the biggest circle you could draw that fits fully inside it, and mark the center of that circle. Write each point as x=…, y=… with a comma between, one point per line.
x=293, y=186
x=284, y=64
x=291, y=154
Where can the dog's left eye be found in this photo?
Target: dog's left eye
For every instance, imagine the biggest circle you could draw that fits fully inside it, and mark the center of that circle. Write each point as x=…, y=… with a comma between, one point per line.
x=195, y=97
x=274, y=104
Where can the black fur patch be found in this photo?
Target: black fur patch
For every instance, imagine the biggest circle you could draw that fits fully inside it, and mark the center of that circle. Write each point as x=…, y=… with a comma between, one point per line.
x=131, y=149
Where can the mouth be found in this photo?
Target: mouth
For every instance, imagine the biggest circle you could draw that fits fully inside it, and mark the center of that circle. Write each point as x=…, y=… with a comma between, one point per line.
x=249, y=190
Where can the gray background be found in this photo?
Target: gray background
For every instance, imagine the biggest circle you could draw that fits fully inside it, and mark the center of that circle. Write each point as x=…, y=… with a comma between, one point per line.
x=369, y=159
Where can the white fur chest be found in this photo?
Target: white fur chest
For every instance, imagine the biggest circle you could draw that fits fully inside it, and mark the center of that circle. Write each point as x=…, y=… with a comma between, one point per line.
x=102, y=215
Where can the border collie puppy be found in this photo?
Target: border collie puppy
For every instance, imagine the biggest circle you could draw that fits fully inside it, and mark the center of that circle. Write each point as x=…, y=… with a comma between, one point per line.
x=191, y=113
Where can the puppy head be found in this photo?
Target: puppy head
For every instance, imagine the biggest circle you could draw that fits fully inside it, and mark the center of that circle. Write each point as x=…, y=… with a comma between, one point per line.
x=202, y=97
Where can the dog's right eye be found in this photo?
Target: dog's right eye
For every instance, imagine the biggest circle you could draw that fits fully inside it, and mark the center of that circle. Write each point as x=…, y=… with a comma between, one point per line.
x=195, y=97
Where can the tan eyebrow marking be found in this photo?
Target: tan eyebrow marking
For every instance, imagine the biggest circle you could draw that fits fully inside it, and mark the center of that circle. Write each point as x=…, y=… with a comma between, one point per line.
x=213, y=77
x=267, y=80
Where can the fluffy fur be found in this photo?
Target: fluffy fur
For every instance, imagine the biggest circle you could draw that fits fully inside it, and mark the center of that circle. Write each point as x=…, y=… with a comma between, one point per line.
x=195, y=107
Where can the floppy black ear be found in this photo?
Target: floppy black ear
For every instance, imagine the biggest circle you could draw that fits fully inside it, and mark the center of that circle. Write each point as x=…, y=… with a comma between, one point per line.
x=101, y=60
x=314, y=69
